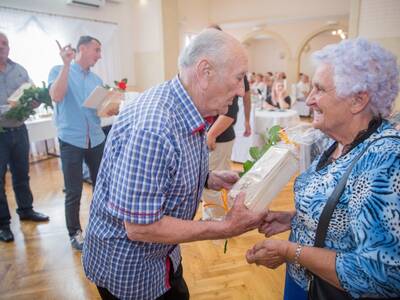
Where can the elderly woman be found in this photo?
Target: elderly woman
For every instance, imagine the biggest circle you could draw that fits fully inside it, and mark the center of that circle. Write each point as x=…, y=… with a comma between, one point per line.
x=354, y=87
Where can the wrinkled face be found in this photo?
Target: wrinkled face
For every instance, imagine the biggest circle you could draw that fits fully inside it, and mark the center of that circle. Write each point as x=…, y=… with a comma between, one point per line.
x=4, y=48
x=91, y=52
x=226, y=83
x=331, y=113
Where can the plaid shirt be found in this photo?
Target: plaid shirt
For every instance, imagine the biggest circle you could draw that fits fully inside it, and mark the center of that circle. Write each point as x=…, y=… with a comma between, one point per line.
x=155, y=163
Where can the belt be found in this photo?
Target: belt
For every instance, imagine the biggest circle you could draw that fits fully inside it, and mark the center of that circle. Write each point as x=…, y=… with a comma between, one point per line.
x=11, y=129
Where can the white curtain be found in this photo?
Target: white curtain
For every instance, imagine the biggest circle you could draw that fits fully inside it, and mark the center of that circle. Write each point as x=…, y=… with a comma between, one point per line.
x=32, y=39
x=32, y=42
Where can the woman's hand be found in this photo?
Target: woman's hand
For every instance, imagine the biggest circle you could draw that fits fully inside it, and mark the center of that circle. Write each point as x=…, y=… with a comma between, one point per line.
x=276, y=222
x=269, y=253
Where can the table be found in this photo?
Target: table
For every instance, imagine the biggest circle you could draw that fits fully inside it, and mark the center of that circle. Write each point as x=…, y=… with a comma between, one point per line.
x=266, y=119
x=40, y=130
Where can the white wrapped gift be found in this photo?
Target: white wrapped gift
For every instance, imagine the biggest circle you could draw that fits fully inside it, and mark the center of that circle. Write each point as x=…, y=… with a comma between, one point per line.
x=266, y=178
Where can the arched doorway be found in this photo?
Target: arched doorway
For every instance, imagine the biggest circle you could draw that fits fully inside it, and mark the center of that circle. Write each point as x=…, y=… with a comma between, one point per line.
x=268, y=51
x=316, y=41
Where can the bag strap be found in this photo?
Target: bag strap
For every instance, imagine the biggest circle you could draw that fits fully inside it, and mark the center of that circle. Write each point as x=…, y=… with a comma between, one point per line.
x=333, y=199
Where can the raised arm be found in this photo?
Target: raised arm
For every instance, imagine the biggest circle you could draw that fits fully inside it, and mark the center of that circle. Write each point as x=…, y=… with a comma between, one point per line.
x=59, y=87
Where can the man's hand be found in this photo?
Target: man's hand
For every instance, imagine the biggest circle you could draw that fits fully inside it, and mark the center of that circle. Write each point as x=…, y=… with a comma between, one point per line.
x=222, y=179
x=269, y=253
x=276, y=222
x=240, y=219
x=247, y=129
x=67, y=53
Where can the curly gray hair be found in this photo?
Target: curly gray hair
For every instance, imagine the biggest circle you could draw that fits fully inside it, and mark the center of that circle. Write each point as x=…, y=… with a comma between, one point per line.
x=363, y=66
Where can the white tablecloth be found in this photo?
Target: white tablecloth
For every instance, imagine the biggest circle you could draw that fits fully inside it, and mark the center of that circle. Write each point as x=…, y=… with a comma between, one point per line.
x=266, y=119
x=41, y=129
x=42, y=136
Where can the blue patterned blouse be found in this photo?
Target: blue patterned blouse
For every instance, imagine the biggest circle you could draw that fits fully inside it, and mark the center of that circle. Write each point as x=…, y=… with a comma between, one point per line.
x=365, y=226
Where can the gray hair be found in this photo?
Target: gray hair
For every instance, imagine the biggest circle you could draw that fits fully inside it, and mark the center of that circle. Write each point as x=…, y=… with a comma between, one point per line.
x=363, y=66
x=211, y=43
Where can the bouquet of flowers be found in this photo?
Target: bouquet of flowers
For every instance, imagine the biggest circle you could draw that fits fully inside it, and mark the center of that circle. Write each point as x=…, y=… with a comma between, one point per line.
x=111, y=106
x=24, y=101
x=120, y=86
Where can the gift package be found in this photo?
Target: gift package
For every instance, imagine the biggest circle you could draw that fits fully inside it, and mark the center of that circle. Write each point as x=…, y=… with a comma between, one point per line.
x=266, y=178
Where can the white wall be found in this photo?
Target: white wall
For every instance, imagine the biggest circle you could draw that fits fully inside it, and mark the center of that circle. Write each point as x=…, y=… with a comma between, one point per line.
x=290, y=22
x=266, y=56
x=224, y=11
x=378, y=20
x=313, y=45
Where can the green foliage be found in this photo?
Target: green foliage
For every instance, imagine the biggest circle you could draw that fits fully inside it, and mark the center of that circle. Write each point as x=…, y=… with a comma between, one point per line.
x=270, y=138
x=30, y=99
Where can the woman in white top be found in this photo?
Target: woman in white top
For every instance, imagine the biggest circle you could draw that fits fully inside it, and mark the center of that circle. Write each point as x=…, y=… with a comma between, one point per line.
x=279, y=97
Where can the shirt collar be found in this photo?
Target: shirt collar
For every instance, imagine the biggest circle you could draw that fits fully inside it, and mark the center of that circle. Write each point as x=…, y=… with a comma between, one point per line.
x=78, y=67
x=195, y=123
x=9, y=64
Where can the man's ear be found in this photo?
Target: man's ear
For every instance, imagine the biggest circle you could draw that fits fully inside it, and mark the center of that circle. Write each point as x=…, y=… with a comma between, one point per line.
x=204, y=72
x=359, y=102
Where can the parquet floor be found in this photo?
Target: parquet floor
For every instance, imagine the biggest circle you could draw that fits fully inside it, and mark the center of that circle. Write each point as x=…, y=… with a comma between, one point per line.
x=40, y=264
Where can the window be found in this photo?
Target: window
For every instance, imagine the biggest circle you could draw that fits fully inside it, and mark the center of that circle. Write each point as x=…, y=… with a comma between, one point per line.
x=32, y=42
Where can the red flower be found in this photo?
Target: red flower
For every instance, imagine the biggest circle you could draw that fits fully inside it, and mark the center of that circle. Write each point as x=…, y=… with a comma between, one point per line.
x=122, y=85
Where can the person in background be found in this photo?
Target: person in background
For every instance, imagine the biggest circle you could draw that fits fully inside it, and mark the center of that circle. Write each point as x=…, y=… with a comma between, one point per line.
x=354, y=87
x=79, y=132
x=279, y=97
x=268, y=82
x=14, y=148
x=303, y=88
x=258, y=86
x=152, y=175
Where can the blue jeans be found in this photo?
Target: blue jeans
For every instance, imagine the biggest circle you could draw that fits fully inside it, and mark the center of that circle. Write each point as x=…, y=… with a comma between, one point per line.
x=72, y=158
x=14, y=153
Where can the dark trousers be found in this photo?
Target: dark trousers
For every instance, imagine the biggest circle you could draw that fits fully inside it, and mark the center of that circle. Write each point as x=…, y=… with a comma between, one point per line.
x=71, y=159
x=14, y=153
x=178, y=290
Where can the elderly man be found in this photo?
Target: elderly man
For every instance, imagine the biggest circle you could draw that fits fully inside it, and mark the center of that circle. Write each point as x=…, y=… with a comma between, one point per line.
x=153, y=171
x=14, y=148
x=79, y=130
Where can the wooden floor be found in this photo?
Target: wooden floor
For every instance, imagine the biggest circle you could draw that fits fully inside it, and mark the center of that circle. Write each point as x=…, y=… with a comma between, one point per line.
x=40, y=263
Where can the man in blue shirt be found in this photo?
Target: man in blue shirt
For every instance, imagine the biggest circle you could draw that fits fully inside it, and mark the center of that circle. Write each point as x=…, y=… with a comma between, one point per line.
x=79, y=130
x=153, y=172
x=14, y=147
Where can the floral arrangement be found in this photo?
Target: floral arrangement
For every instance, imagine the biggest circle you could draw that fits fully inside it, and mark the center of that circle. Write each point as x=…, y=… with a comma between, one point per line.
x=22, y=106
x=120, y=86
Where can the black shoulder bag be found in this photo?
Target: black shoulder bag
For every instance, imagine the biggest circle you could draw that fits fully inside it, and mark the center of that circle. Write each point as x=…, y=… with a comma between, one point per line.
x=319, y=289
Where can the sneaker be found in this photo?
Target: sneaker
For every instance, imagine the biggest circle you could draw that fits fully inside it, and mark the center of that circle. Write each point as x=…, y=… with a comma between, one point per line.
x=77, y=240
